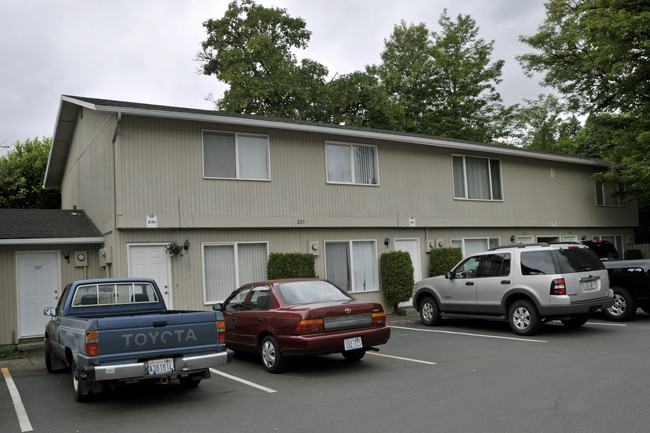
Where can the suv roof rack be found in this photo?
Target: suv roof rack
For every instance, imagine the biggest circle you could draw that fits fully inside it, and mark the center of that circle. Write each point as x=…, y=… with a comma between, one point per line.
x=538, y=244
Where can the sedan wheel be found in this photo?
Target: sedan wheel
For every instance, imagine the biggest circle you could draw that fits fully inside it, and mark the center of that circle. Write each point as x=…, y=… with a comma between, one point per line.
x=273, y=360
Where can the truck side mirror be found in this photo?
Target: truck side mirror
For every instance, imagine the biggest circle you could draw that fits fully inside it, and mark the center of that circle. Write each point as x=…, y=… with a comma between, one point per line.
x=49, y=311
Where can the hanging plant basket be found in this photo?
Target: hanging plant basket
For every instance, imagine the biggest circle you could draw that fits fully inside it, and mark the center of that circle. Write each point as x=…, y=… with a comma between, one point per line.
x=173, y=248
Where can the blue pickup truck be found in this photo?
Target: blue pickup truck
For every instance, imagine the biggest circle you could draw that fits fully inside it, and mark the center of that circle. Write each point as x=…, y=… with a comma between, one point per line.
x=116, y=331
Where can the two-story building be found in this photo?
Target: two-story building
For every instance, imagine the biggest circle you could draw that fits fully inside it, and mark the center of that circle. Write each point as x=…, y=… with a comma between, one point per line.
x=230, y=189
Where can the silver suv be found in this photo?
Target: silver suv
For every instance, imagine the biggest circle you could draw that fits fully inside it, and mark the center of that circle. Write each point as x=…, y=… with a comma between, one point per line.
x=525, y=284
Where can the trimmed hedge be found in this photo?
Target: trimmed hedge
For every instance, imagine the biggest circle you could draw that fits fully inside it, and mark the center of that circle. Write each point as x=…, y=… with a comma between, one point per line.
x=290, y=265
x=632, y=254
x=396, y=277
x=443, y=260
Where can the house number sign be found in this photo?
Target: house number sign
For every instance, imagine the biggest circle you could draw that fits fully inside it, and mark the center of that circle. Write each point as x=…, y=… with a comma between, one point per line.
x=152, y=221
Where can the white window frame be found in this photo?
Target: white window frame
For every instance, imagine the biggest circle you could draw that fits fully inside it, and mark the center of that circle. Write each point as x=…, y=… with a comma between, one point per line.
x=351, y=267
x=466, y=183
x=237, y=136
x=604, y=194
x=238, y=283
x=491, y=242
x=353, y=174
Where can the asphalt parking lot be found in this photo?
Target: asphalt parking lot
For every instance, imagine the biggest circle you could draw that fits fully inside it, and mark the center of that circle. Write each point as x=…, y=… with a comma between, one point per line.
x=463, y=376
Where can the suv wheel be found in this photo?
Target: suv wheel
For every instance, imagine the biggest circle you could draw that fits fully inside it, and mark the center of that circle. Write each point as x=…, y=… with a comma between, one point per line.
x=429, y=311
x=523, y=318
x=576, y=321
x=624, y=307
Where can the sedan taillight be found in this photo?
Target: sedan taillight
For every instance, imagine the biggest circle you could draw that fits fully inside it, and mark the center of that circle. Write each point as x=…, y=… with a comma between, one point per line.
x=558, y=287
x=379, y=318
x=309, y=326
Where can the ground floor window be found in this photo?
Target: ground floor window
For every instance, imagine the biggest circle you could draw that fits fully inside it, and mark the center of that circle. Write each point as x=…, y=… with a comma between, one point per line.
x=352, y=265
x=474, y=245
x=227, y=266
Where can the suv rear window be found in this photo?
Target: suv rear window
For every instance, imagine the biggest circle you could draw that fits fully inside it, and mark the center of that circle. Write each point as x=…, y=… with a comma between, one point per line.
x=578, y=260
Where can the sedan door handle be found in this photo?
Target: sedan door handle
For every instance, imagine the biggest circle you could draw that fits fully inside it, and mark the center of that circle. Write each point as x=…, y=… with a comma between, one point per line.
x=260, y=319
x=234, y=319
x=505, y=281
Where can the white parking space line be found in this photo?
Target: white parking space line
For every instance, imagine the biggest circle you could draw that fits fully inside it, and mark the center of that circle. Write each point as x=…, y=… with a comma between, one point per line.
x=605, y=324
x=23, y=420
x=244, y=381
x=400, y=358
x=467, y=334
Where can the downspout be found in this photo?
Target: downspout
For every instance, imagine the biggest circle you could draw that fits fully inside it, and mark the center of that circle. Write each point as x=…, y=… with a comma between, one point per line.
x=115, y=132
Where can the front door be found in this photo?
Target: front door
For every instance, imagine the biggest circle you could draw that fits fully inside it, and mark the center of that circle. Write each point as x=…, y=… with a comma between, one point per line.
x=39, y=286
x=152, y=261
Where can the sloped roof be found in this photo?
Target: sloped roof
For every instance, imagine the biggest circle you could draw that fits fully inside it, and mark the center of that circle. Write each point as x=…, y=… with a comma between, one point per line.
x=46, y=226
x=70, y=106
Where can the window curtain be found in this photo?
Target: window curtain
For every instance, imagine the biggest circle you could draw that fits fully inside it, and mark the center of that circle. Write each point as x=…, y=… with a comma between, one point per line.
x=220, y=277
x=459, y=177
x=478, y=178
x=364, y=165
x=219, y=155
x=253, y=157
x=495, y=173
x=337, y=258
x=339, y=168
x=363, y=262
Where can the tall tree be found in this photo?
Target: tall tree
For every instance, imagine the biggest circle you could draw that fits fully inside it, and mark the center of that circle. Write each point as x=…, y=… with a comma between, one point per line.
x=250, y=49
x=22, y=172
x=597, y=53
x=445, y=82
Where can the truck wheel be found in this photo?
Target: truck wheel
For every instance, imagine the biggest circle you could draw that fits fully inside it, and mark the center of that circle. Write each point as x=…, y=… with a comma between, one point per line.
x=48, y=356
x=646, y=309
x=624, y=306
x=79, y=386
x=523, y=318
x=429, y=312
x=576, y=321
x=273, y=360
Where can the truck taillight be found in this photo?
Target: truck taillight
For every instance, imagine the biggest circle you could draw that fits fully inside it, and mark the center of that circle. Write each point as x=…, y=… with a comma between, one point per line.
x=221, y=331
x=92, y=343
x=558, y=287
x=379, y=318
x=307, y=326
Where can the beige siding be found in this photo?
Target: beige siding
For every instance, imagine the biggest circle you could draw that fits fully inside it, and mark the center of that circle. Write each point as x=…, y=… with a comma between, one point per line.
x=160, y=172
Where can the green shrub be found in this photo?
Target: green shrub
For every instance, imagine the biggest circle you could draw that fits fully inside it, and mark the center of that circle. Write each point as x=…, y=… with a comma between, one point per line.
x=396, y=277
x=633, y=254
x=443, y=259
x=290, y=265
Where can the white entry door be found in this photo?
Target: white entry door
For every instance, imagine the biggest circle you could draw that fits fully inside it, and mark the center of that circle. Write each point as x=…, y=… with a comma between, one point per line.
x=152, y=261
x=411, y=246
x=39, y=285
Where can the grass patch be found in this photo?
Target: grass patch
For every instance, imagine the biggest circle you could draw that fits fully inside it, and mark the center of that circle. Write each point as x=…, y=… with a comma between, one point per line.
x=16, y=354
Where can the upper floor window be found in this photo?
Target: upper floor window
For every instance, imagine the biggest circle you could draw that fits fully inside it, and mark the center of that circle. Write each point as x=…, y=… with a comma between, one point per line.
x=477, y=178
x=235, y=156
x=351, y=163
x=608, y=195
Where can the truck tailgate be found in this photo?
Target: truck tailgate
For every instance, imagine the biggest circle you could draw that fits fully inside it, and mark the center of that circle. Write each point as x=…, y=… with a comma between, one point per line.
x=141, y=337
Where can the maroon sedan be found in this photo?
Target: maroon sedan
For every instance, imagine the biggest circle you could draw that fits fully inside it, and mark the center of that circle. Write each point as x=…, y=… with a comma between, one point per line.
x=281, y=318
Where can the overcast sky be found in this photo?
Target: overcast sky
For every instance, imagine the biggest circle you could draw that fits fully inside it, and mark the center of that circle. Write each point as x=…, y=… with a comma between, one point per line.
x=144, y=50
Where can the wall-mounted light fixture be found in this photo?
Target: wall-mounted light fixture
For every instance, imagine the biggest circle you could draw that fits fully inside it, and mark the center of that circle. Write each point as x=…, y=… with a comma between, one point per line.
x=584, y=237
x=512, y=238
x=66, y=256
x=387, y=241
x=186, y=245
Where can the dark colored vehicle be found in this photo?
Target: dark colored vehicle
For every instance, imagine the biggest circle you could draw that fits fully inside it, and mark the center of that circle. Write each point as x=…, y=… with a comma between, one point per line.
x=118, y=331
x=283, y=318
x=629, y=279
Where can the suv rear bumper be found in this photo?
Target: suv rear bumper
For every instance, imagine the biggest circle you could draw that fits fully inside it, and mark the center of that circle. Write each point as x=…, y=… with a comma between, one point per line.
x=580, y=307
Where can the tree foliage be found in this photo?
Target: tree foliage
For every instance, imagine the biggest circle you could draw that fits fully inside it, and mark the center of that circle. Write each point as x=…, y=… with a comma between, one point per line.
x=22, y=172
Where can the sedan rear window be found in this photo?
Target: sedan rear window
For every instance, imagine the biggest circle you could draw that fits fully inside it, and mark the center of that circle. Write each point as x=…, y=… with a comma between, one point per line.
x=307, y=292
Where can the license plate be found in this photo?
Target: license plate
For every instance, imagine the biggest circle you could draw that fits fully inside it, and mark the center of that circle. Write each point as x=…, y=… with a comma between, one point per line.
x=590, y=285
x=161, y=366
x=352, y=343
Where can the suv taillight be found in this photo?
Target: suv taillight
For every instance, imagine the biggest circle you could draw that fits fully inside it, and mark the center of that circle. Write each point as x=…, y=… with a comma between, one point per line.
x=558, y=287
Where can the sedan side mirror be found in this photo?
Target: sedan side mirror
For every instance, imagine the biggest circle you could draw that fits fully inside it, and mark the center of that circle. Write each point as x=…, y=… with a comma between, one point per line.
x=217, y=307
x=49, y=311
